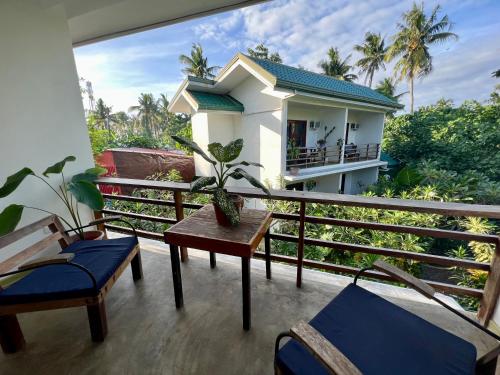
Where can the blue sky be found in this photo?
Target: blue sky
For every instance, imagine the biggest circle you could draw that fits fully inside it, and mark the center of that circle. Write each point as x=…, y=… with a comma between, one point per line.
x=301, y=31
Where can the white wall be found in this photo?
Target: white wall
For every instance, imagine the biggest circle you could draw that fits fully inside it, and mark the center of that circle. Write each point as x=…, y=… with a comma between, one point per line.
x=41, y=112
x=371, y=126
x=260, y=126
x=328, y=184
x=356, y=182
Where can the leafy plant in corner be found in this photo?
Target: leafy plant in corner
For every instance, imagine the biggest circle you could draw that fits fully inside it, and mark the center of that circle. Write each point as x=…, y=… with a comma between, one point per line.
x=224, y=170
x=80, y=189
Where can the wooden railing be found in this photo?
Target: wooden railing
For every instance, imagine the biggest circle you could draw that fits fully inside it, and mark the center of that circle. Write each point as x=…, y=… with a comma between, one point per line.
x=362, y=152
x=488, y=296
x=309, y=157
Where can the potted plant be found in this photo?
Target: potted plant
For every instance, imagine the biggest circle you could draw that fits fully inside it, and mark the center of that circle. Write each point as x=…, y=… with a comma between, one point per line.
x=80, y=189
x=227, y=206
x=293, y=152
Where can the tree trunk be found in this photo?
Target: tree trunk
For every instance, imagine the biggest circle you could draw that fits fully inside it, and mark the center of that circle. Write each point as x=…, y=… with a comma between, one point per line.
x=370, y=82
x=411, y=95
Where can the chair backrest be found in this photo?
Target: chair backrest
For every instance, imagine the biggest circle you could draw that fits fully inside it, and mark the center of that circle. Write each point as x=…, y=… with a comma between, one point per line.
x=57, y=234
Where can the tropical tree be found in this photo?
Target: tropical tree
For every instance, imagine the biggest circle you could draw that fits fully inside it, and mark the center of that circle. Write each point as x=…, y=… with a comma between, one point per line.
x=387, y=87
x=262, y=52
x=496, y=73
x=103, y=115
x=147, y=112
x=336, y=67
x=197, y=64
x=411, y=44
x=373, y=50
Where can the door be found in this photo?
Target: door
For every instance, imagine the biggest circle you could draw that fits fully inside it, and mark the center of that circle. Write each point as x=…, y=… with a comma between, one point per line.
x=296, y=132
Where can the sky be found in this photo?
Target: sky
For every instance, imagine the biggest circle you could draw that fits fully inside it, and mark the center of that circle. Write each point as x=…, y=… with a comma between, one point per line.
x=301, y=31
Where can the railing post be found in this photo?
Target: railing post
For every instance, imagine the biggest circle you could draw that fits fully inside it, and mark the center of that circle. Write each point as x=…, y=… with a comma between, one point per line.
x=179, y=215
x=491, y=289
x=300, y=245
x=367, y=150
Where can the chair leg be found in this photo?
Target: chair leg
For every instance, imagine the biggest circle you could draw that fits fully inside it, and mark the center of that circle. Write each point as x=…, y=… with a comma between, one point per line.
x=97, y=321
x=11, y=336
x=136, y=265
x=488, y=368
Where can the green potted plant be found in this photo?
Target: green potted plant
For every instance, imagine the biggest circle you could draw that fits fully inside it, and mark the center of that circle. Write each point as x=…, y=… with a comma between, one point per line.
x=227, y=206
x=79, y=189
x=293, y=153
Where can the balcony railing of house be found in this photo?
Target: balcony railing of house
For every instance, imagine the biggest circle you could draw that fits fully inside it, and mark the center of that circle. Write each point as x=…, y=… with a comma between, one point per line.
x=309, y=157
x=362, y=152
x=488, y=296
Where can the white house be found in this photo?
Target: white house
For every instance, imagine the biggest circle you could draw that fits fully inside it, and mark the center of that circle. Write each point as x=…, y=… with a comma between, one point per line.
x=283, y=115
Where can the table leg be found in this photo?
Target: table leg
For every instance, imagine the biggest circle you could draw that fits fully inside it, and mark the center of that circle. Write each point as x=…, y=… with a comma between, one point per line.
x=267, y=246
x=245, y=281
x=213, y=261
x=176, y=274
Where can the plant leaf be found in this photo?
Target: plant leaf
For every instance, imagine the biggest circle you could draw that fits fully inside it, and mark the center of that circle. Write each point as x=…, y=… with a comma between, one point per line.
x=407, y=177
x=227, y=206
x=14, y=181
x=226, y=153
x=9, y=218
x=202, y=182
x=245, y=163
x=98, y=171
x=87, y=193
x=84, y=177
x=239, y=173
x=58, y=167
x=193, y=146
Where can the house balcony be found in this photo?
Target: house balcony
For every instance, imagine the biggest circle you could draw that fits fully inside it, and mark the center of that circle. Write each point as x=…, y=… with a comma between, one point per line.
x=149, y=335
x=320, y=160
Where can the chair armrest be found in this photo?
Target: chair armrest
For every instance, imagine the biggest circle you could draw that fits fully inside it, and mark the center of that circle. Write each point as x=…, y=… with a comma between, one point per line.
x=323, y=350
x=43, y=261
x=405, y=278
x=104, y=220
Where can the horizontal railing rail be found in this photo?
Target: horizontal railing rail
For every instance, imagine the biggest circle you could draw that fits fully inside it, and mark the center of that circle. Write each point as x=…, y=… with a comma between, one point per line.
x=488, y=296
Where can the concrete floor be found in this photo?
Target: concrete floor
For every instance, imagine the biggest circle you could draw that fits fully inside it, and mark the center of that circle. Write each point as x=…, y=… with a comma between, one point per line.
x=147, y=335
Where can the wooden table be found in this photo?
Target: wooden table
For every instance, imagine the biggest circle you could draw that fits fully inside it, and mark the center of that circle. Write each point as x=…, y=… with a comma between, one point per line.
x=201, y=231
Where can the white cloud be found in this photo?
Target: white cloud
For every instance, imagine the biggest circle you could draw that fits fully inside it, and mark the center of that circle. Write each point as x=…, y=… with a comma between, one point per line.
x=302, y=31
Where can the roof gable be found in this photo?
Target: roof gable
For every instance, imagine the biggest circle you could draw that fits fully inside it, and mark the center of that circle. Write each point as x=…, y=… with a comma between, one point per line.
x=299, y=79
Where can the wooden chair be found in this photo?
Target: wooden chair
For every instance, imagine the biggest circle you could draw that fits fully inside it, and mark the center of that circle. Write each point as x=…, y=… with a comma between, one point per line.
x=80, y=275
x=359, y=332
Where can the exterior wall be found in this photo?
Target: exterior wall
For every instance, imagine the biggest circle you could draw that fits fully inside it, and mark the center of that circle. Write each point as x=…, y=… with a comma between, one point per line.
x=41, y=112
x=356, y=182
x=327, y=116
x=328, y=184
x=260, y=126
x=371, y=127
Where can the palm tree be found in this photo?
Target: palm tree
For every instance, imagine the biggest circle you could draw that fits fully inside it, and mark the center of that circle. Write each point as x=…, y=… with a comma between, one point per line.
x=387, y=87
x=197, y=64
x=373, y=50
x=262, y=52
x=163, y=112
x=103, y=115
x=336, y=67
x=147, y=114
x=411, y=44
x=496, y=74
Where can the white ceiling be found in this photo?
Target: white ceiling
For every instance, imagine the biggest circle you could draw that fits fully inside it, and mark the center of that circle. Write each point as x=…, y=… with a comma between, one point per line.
x=94, y=20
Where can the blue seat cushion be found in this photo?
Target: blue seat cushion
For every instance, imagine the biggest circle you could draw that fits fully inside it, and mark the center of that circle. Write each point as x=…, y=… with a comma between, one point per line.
x=380, y=338
x=101, y=258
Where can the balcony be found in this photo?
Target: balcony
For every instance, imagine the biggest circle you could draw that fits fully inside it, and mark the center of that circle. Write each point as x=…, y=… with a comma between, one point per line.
x=312, y=157
x=148, y=334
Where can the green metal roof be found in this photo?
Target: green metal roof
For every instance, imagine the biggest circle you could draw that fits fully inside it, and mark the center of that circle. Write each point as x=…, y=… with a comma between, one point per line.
x=303, y=80
x=391, y=162
x=210, y=101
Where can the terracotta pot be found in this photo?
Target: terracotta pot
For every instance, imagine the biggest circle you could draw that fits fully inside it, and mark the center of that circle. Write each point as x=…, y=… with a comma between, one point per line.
x=220, y=216
x=89, y=236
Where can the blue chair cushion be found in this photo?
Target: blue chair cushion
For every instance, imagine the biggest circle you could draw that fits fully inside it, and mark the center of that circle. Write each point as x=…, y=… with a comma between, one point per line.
x=101, y=258
x=380, y=338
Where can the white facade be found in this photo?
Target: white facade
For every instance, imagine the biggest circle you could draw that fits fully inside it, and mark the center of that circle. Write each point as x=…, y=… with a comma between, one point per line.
x=263, y=125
